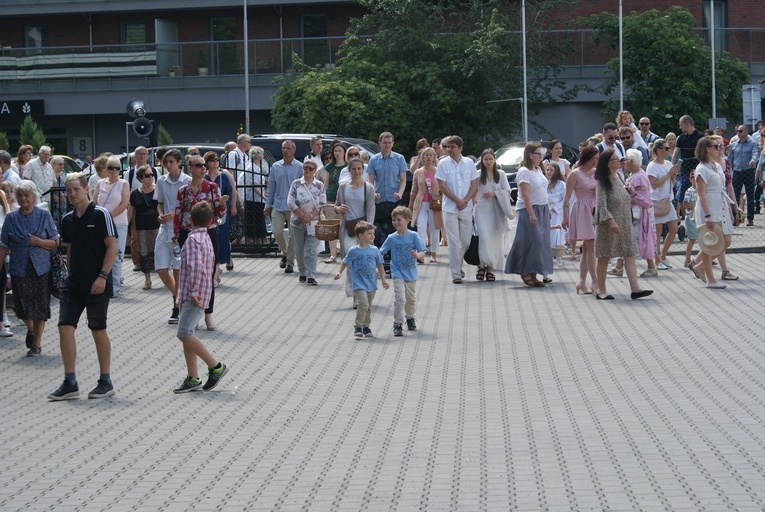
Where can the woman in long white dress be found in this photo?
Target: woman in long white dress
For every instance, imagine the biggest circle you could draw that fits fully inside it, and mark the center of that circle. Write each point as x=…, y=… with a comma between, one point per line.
x=556, y=191
x=493, y=200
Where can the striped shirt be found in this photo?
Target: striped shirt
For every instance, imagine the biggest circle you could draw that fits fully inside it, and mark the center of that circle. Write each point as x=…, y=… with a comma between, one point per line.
x=197, y=262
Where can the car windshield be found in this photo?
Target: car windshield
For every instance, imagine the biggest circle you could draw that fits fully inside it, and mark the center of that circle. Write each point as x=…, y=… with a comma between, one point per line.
x=510, y=157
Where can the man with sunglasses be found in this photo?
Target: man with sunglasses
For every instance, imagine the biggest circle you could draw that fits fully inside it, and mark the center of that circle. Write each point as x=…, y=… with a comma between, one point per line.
x=610, y=141
x=743, y=155
x=645, y=130
x=685, y=149
x=627, y=139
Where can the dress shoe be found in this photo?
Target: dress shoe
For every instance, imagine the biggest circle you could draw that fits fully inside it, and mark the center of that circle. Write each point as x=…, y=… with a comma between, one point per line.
x=641, y=294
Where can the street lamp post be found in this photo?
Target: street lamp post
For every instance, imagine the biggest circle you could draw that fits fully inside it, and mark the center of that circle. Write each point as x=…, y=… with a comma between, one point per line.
x=525, y=99
x=712, y=40
x=246, y=74
x=621, y=58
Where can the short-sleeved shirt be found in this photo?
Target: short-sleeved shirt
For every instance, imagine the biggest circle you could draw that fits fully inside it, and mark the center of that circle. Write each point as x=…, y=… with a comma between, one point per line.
x=15, y=236
x=87, y=250
x=658, y=171
x=363, y=267
x=167, y=194
x=387, y=172
x=402, y=264
x=458, y=177
x=537, y=187
x=687, y=146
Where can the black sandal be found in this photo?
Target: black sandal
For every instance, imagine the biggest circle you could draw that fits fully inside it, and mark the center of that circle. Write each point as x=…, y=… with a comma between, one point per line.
x=480, y=274
x=490, y=277
x=230, y=266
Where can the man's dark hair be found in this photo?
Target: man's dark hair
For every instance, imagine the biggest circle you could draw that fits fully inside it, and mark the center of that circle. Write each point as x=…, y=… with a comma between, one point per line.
x=609, y=126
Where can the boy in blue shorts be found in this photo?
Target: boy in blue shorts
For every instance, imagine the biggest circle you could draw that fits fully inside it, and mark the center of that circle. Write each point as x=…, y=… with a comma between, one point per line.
x=365, y=261
x=405, y=248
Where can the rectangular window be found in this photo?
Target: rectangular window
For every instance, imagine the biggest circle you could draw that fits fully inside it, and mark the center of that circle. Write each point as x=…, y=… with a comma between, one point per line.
x=315, y=51
x=134, y=35
x=36, y=36
x=720, y=21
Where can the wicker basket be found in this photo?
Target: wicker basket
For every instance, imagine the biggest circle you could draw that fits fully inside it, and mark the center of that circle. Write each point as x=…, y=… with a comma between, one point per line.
x=328, y=225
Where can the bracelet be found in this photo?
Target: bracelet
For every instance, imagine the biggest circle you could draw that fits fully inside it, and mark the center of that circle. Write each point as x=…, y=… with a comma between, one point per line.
x=103, y=274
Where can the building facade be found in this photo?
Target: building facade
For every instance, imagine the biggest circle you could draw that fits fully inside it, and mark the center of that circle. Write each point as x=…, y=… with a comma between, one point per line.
x=74, y=65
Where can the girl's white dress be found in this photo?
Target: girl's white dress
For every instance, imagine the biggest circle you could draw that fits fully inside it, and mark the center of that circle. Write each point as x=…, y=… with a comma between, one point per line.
x=555, y=203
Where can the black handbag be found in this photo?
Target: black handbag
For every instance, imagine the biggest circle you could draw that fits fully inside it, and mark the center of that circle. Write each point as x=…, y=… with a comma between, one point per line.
x=471, y=256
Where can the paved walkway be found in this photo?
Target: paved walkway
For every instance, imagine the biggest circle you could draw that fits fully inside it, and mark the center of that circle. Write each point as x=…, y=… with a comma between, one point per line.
x=505, y=398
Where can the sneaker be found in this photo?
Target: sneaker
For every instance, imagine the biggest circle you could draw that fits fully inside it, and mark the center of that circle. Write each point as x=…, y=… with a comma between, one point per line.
x=666, y=263
x=398, y=330
x=367, y=332
x=312, y=281
x=651, y=272
x=103, y=389
x=302, y=279
x=173, y=317
x=615, y=271
x=215, y=375
x=189, y=384
x=411, y=325
x=34, y=351
x=289, y=269
x=716, y=286
x=358, y=332
x=5, y=332
x=662, y=266
x=136, y=268
x=283, y=262
x=65, y=392
x=30, y=339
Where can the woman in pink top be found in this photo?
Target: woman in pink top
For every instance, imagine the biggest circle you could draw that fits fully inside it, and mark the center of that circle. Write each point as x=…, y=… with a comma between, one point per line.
x=579, y=223
x=425, y=184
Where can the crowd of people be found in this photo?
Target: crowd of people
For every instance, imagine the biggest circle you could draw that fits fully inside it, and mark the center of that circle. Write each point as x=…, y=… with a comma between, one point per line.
x=622, y=201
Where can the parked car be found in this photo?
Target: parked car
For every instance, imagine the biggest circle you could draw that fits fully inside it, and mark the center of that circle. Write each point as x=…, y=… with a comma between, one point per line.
x=272, y=142
x=70, y=165
x=510, y=155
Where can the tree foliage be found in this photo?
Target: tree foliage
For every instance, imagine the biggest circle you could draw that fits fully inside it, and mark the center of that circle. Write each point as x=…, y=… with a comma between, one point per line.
x=31, y=133
x=667, y=68
x=163, y=136
x=424, y=68
x=4, y=144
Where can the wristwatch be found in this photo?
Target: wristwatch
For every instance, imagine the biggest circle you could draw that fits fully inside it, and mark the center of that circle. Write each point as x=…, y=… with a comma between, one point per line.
x=103, y=274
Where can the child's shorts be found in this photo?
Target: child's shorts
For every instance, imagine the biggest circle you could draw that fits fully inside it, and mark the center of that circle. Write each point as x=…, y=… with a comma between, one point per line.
x=189, y=317
x=690, y=228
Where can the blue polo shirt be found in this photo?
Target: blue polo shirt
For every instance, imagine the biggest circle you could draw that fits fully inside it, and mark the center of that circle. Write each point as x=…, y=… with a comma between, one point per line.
x=387, y=173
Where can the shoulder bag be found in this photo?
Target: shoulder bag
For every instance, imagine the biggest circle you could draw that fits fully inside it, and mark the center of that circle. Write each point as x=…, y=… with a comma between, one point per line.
x=350, y=225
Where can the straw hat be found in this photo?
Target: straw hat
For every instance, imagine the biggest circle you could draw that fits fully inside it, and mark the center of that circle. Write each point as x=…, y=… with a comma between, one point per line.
x=711, y=240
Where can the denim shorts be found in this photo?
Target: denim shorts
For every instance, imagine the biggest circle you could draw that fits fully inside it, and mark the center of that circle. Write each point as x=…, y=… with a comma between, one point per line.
x=691, y=230
x=73, y=304
x=189, y=317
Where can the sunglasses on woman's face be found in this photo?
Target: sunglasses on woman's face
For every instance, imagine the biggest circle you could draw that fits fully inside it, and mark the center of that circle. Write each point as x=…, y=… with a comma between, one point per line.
x=112, y=168
x=147, y=176
x=197, y=165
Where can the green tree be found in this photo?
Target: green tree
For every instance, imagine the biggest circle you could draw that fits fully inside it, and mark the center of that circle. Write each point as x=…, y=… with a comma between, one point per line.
x=667, y=68
x=163, y=136
x=4, y=144
x=31, y=133
x=430, y=69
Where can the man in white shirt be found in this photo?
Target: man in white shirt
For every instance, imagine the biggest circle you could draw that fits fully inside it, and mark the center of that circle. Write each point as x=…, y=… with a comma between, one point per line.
x=5, y=168
x=41, y=172
x=166, y=194
x=316, y=145
x=458, y=179
x=239, y=159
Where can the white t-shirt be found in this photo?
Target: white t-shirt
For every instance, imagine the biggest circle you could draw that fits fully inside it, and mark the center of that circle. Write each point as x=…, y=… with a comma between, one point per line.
x=658, y=171
x=538, y=187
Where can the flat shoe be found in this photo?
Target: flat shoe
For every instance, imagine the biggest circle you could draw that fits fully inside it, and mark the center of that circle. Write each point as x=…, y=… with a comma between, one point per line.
x=698, y=273
x=640, y=294
x=607, y=297
x=457, y=281
x=433, y=260
x=716, y=286
x=331, y=259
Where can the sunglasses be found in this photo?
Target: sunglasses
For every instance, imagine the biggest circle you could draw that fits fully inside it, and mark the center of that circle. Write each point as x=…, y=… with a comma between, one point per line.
x=213, y=160
x=625, y=138
x=198, y=166
x=148, y=176
x=717, y=146
x=113, y=168
x=353, y=154
x=739, y=131
x=645, y=124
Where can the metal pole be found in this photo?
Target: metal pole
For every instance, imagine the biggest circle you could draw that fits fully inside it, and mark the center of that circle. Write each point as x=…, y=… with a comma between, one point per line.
x=127, y=145
x=712, y=38
x=525, y=111
x=246, y=74
x=621, y=58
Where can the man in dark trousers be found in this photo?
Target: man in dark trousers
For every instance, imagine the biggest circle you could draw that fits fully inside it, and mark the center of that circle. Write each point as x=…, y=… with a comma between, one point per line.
x=91, y=238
